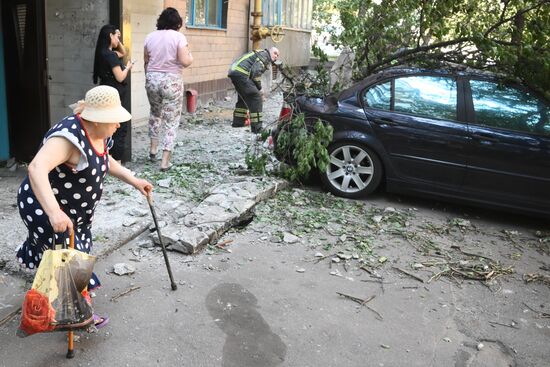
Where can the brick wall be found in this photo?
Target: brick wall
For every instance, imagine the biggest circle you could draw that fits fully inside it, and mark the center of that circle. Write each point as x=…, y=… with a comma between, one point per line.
x=72, y=27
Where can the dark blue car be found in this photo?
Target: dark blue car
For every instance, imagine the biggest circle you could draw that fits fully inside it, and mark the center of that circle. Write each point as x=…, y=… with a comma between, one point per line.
x=465, y=136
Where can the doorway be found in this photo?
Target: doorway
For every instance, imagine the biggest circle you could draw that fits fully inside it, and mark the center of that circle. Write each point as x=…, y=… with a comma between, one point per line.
x=25, y=59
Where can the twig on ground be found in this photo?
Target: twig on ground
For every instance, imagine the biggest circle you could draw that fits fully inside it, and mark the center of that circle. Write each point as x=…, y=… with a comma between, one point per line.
x=362, y=302
x=223, y=243
x=131, y=289
x=409, y=274
x=324, y=257
x=501, y=324
x=471, y=253
x=540, y=313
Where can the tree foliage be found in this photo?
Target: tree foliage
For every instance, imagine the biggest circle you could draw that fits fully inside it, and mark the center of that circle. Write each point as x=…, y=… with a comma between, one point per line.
x=510, y=37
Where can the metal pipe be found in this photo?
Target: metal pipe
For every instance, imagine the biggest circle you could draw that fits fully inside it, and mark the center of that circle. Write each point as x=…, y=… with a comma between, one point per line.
x=256, y=24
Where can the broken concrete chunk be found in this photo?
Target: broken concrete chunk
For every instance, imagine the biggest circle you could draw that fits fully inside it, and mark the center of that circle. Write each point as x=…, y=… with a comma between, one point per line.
x=123, y=269
x=301, y=270
x=137, y=212
x=290, y=238
x=335, y=260
x=319, y=254
x=344, y=256
x=129, y=222
x=161, y=224
x=182, y=239
x=165, y=182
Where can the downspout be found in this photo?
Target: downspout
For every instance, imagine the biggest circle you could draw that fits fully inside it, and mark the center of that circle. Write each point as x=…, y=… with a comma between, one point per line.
x=256, y=24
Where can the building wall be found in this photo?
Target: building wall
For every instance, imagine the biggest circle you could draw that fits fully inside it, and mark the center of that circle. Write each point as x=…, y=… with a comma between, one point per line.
x=72, y=29
x=214, y=50
x=294, y=48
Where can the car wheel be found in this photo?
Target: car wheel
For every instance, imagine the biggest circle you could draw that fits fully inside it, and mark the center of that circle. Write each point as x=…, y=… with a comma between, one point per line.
x=354, y=170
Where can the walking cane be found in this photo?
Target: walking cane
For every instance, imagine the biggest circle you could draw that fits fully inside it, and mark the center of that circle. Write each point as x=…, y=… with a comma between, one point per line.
x=150, y=202
x=70, y=349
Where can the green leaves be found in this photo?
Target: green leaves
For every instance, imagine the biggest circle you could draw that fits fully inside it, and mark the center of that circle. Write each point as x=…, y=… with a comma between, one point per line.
x=304, y=144
x=510, y=37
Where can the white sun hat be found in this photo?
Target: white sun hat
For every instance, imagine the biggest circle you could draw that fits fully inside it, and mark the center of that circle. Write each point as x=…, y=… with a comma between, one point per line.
x=102, y=104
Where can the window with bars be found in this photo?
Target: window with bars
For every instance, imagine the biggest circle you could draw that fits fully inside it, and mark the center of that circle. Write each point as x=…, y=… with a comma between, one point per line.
x=207, y=13
x=289, y=13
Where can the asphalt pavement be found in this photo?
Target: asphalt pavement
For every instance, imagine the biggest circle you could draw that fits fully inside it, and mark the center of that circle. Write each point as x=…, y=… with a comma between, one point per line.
x=299, y=279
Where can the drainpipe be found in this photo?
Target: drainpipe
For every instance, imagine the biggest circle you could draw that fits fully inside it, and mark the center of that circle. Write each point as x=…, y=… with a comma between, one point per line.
x=256, y=36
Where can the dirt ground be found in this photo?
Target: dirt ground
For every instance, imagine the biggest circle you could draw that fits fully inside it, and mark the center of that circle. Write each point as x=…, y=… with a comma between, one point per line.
x=314, y=280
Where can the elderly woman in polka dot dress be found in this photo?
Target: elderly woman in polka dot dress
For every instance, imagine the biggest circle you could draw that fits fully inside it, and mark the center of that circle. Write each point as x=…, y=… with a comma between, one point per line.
x=65, y=178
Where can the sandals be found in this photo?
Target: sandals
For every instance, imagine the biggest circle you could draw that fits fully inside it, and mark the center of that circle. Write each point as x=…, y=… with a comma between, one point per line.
x=100, y=321
x=165, y=169
x=153, y=157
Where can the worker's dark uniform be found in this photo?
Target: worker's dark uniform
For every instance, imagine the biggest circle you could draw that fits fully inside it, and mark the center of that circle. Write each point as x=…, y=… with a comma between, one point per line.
x=246, y=73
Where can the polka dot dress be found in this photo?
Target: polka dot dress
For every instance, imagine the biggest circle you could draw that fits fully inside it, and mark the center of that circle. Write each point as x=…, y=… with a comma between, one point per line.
x=77, y=191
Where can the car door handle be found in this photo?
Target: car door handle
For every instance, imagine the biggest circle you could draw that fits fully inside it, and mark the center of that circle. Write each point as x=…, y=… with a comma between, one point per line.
x=485, y=137
x=385, y=121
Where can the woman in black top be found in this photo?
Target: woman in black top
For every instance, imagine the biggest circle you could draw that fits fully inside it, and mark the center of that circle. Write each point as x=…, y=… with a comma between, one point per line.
x=109, y=70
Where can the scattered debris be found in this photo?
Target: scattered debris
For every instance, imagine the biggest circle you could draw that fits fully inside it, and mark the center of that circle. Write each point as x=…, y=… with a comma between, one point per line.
x=480, y=346
x=447, y=339
x=301, y=270
x=536, y=277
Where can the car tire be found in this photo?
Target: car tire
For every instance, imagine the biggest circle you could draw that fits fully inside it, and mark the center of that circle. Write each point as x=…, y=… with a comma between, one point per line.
x=354, y=170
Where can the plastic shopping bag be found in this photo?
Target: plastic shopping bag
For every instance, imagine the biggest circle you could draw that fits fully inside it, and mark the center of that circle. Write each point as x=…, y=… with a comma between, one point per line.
x=56, y=301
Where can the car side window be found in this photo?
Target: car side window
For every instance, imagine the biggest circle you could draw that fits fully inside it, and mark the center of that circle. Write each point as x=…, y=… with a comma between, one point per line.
x=506, y=107
x=378, y=96
x=430, y=96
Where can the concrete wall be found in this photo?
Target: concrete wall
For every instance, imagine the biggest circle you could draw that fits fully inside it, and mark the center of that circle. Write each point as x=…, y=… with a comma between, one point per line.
x=294, y=48
x=72, y=29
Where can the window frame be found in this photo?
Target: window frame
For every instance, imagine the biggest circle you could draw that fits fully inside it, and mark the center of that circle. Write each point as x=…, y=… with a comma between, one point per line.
x=191, y=11
x=462, y=110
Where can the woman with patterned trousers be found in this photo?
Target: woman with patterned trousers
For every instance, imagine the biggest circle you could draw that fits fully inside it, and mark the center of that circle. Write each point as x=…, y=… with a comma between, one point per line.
x=166, y=54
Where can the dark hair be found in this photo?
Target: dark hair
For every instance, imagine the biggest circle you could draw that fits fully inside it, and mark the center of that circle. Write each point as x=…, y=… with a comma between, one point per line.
x=169, y=19
x=103, y=43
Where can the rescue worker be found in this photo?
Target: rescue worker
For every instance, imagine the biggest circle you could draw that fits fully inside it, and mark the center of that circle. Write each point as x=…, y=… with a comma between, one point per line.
x=246, y=74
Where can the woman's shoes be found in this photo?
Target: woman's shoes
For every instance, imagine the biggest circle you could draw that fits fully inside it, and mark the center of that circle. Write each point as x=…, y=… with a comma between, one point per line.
x=153, y=157
x=167, y=168
x=100, y=321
